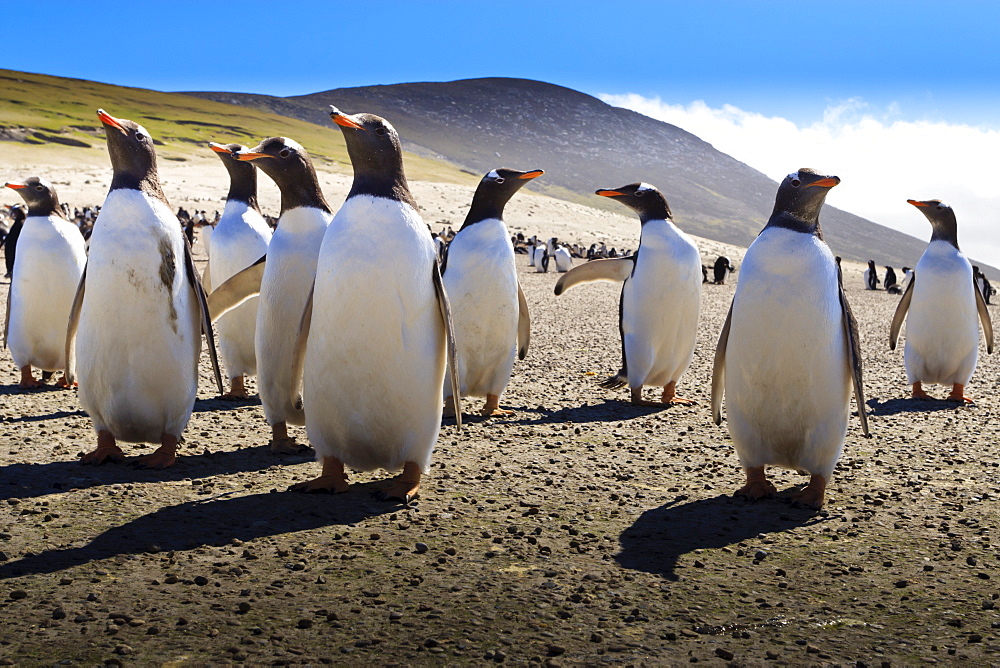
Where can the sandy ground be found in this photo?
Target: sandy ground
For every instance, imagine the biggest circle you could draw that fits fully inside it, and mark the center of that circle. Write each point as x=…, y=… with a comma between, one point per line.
x=579, y=530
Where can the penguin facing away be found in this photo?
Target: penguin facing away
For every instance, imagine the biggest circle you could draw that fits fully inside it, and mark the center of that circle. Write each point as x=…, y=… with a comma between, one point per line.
x=490, y=311
x=940, y=305
x=372, y=353
x=283, y=278
x=871, y=276
x=660, y=300
x=240, y=238
x=47, y=269
x=789, y=353
x=134, y=336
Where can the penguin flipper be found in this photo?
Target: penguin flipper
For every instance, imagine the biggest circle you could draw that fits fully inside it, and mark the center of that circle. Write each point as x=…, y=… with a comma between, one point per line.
x=451, y=348
x=206, y=278
x=853, y=340
x=299, y=354
x=238, y=288
x=900, y=314
x=74, y=323
x=523, y=324
x=6, y=318
x=206, y=318
x=610, y=269
x=984, y=317
x=719, y=368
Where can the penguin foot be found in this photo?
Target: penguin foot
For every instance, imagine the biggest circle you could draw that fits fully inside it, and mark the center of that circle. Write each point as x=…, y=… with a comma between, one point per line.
x=237, y=391
x=670, y=397
x=813, y=495
x=757, y=486
x=64, y=384
x=163, y=457
x=103, y=454
x=405, y=487
x=332, y=480
x=492, y=407
x=637, y=400
x=918, y=393
x=28, y=381
x=958, y=394
x=287, y=446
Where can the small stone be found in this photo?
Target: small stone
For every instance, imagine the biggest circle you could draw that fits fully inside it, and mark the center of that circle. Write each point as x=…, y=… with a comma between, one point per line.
x=971, y=561
x=760, y=555
x=724, y=654
x=124, y=650
x=900, y=584
x=304, y=624
x=812, y=649
x=243, y=607
x=201, y=581
x=431, y=642
x=555, y=650
x=65, y=581
x=421, y=548
x=58, y=613
x=597, y=637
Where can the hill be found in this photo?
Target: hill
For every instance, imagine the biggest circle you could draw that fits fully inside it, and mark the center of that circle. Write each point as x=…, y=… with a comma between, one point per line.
x=584, y=144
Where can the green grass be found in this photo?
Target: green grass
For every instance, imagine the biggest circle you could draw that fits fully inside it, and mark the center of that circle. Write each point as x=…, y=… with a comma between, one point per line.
x=181, y=125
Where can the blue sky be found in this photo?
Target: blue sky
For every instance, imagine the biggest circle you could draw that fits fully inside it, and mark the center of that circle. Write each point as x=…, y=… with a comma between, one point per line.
x=816, y=83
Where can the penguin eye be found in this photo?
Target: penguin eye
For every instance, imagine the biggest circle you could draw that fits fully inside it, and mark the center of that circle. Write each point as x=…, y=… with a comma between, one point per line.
x=39, y=188
x=380, y=131
x=939, y=208
x=140, y=136
x=640, y=193
x=499, y=179
x=796, y=183
x=284, y=153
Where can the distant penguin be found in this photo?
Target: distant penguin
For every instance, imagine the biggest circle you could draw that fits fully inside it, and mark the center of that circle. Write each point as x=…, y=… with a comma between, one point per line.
x=375, y=338
x=907, y=277
x=789, y=350
x=889, y=280
x=489, y=308
x=240, y=238
x=542, y=258
x=139, y=311
x=660, y=300
x=942, y=336
x=704, y=274
x=47, y=270
x=722, y=268
x=532, y=255
x=871, y=276
x=283, y=278
x=564, y=261
x=983, y=283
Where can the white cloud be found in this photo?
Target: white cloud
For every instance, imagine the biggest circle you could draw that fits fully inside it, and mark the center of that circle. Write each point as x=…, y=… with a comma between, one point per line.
x=881, y=159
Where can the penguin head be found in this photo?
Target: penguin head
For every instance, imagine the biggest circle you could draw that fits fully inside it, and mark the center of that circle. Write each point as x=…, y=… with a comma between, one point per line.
x=38, y=194
x=944, y=226
x=376, y=154
x=242, y=175
x=495, y=190
x=642, y=198
x=871, y=264
x=133, y=156
x=799, y=200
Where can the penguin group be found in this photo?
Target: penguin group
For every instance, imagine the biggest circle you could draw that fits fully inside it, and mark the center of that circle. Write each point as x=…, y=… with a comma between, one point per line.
x=371, y=368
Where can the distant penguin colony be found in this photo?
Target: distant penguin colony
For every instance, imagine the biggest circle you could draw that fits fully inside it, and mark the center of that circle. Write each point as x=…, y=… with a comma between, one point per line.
x=367, y=328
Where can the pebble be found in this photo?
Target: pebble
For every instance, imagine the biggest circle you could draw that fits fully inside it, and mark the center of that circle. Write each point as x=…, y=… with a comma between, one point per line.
x=724, y=654
x=421, y=548
x=18, y=594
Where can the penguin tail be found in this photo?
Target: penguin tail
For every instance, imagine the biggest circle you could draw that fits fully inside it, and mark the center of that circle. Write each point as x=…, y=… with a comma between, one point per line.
x=295, y=414
x=616, y=381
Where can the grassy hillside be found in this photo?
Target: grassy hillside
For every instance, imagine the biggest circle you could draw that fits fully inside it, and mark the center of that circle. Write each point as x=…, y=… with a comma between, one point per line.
x=58, y=115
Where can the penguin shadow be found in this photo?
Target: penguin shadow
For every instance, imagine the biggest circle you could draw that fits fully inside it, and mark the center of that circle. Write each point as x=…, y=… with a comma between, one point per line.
x=54, y=415
x=44, y=388
x=908, y=405
x=213, y=522
x=610, y=410
x=660, y=537
x=217, y=404
x=38, y=480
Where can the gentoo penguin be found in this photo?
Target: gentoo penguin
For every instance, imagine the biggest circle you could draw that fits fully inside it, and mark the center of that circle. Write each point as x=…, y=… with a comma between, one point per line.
x=240, y=238
x=983, y=283
x=376, y=333
x=283, y=280
x=139, y=311
x=542, y=258
x=907, y=277
x=490, y=312
x=789, y=351
x=942, y=337
x=47, y=269
x=889, y=281
x=871, y=276
x=564, y=261
x=723, y=266
x=660, y=300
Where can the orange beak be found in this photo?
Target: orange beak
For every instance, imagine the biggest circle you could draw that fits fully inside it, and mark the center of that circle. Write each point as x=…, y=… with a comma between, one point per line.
x=218, y=148
x=609, y=193
x=532, y=174
x=250, y=156
x=110, y=120
x=343, y=120
x=15, y=186
x=916, y=203
x=826, y=183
